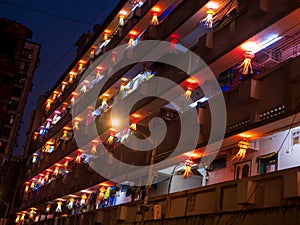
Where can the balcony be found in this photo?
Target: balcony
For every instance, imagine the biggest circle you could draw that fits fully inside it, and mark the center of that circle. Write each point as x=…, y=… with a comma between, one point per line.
x=272, y=198
x=79, y=178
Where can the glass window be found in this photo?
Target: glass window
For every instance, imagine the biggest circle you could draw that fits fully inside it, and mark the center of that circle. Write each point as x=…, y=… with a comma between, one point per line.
x=268, y=163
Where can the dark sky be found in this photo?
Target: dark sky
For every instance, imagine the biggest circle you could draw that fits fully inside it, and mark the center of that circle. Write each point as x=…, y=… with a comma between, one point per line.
x=57, y=36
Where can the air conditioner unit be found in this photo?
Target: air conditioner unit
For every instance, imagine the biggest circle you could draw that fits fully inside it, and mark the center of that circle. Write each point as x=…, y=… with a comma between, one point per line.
x=246, y=192
x=121, y=213
x=291, y=186
x=270, y=58
x=99, y=216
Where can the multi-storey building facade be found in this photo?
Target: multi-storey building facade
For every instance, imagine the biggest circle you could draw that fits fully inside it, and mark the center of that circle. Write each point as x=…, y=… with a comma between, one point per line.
x=18, y=60
x=251, y=47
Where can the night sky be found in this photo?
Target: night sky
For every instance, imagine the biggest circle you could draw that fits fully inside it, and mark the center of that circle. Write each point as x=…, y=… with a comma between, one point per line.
x=56, y=25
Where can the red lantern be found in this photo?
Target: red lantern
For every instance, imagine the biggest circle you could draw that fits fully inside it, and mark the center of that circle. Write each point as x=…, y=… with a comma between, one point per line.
x=132, y=36
x=190, y=85
x=78, y=158
x=35, y=135
x=133, y=125
x=111, y=137
x=154, y=20
x=174, y=40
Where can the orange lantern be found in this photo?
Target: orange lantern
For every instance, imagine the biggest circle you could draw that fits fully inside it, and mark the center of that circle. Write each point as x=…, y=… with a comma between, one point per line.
x=48, y=104
x=243, y=145
x=154, y=20
x=92, y=53
x=132, y=36
x=63, y=86
x=94, y=146
x=35, y=135
x=78, y=158
x=55, y=173
x=188, y=168
x=111, y=137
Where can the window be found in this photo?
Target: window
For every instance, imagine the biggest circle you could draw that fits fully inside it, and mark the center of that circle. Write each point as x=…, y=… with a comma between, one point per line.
x=242, y=170
x=268, y=163
x=218, y=163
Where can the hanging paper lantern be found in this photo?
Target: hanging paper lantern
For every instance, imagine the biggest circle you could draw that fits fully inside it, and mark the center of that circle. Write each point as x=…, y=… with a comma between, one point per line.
x=208, y=21
x=34, y=158
x=132, y=36
x=22, y=217
x=66, y=164
x=56, y=117
x=94, y=146
x=42, y=130
x=64, y=106
x=114, y=56
x=35, y=135
x=64, y=135
x=174, y=40
x=46, y=178
x=154, y=20
x=73, y=96
x=71, y=203
x=72, y=75
x=111, y=137
x=55, y=173
x=48, y=124
x=99, y=70
x=122, y=86
x=190, y=86
x=78, y=158
x=84, y=87
x=39, y=181
x=26, y=188
x=48, y=104
x=80, y=66
x=106, y=35
x=55, y=95
x=76, y=124
x=31, y=214
x=133, y=125
x=18, y=218
x=104, y=103
x=92, y=53
x=58, y=208
x=122, y=18
x=63, y=86
x=243, y=145
x=246, y=66
x=83, y=198
x=48, y=208
x=188, y=168
x=32, y=184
